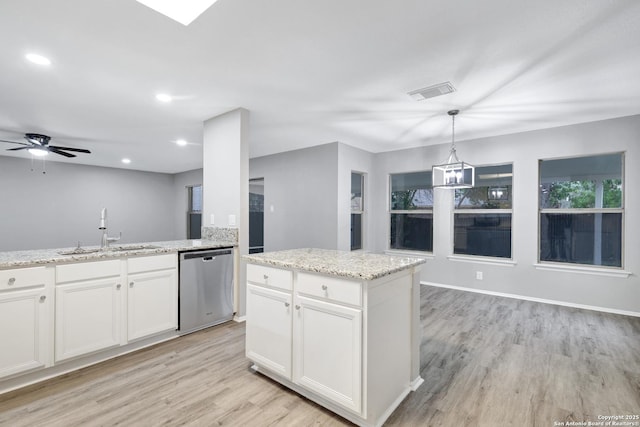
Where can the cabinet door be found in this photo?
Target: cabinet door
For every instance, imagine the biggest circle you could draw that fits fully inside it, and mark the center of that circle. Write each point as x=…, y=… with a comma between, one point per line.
x=152, y=303
x=24, y=331
x=268, y=329
x=88, y=317
x=328, y=350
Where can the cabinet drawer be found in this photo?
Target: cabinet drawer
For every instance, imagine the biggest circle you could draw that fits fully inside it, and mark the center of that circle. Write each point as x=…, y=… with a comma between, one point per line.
x=22, y=278
x=269, y=276
x=87, y=270
x=150, y=263
x=338, y=290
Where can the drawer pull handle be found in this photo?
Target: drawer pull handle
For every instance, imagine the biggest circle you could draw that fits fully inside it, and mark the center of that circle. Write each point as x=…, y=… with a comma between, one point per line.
x=118, y=286
x=265, y=277
x=324, y=287
x=42, y=298
x=12, y=280
x=297, y=307
x=131, y=284
x=286, y=304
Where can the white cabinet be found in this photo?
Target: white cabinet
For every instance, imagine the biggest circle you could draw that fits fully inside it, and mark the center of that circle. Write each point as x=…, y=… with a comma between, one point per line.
x=344, y=343
x=152, y=296
x=328, y=350
x=268, y=328
x=88, y=308
x=306, y=332
x=105, y=304
x=25, y=301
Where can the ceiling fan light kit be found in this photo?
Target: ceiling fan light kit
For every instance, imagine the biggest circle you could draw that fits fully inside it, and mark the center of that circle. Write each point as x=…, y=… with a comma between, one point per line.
x=454, y=173
x=38, y=145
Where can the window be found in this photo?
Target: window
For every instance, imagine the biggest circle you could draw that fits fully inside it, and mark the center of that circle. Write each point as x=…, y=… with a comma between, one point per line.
x=357, y=209
x=581, y=210
x=194, y=212
x=256, y=215
x=482, y=214
x=411, y=211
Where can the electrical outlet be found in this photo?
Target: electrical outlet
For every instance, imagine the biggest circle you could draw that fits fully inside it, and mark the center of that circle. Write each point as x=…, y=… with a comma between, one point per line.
x=479, y=275
x=212, y=220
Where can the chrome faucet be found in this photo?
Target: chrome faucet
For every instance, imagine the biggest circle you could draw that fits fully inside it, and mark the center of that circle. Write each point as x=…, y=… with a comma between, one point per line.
x=104, y=244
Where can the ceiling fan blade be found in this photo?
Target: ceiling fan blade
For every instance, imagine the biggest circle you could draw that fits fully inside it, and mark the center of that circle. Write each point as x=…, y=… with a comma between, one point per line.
x=13, y=142
x=79, y=150
x=62, y=153
x=19, y=148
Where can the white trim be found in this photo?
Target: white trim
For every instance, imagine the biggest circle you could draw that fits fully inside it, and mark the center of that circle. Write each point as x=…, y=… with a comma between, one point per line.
x=473, y=211
x=534, y=299
x=594, y=271
x=239, y=319
x=415, y=254
x=482, y=260
x=416, y=383
x=577, y=211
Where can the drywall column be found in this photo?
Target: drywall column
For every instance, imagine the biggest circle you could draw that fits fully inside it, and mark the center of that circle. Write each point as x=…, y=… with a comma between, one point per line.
x=225, y=186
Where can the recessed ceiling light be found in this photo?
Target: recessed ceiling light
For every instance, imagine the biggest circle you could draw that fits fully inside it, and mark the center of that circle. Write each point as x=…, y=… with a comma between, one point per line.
x=38, y=59
x=182, y=11
x=181, y=142
x=163, y=97
x=126, y=161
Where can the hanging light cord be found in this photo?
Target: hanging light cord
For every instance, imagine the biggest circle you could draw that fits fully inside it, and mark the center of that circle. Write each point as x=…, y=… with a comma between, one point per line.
x=453, y=157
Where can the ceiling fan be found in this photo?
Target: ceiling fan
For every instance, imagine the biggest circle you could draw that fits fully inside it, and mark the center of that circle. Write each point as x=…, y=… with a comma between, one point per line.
x=38, y=145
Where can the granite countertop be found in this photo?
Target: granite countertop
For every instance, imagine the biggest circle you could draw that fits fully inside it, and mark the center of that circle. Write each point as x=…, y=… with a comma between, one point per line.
x=31, y=258
x=353, y=265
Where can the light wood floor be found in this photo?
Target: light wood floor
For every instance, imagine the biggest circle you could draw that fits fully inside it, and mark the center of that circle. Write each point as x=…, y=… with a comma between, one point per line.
x=486, y=361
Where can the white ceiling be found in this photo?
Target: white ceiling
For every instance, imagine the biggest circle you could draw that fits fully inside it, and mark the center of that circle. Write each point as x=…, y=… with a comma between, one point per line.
x=309, y=72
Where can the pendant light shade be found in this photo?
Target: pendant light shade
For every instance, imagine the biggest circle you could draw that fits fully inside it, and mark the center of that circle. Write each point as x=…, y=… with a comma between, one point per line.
x=454, y=173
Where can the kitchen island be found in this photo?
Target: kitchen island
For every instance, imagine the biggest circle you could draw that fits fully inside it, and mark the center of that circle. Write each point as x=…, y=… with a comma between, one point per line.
x=340, y=328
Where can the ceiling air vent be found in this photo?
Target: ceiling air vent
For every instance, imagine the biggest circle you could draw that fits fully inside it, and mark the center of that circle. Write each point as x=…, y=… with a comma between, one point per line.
x=432, y=91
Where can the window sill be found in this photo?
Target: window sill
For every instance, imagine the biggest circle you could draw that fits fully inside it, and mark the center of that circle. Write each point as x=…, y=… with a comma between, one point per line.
x=584, y=270
x=415, y=254
x=483, y=260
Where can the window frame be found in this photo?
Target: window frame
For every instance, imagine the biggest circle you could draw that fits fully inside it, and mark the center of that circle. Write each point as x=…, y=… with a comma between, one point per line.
x=391, y=212
x=360, y=212
x=190, y=206
x=471, y=211
x=578, y=211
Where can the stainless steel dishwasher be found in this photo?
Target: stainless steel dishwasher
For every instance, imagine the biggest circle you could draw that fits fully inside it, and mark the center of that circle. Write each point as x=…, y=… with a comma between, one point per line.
x=206, y=289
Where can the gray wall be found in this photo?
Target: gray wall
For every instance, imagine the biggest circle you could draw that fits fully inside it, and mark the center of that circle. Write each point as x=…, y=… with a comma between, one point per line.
x=56, y=209
x=524, y=150
x=181, y=199
x=301, y=186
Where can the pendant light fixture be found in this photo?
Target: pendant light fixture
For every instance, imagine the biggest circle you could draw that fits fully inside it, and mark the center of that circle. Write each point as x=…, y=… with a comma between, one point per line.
x=453, y=173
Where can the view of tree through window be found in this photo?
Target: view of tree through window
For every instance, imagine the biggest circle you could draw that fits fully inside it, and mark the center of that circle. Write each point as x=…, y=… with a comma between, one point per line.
x=482, y=214
x=411, y=208
x=581, y=209
x=581, y=194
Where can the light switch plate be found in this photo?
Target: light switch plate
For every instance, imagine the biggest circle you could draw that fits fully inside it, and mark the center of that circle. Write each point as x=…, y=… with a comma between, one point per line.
x=211, y=220
x=232, y=220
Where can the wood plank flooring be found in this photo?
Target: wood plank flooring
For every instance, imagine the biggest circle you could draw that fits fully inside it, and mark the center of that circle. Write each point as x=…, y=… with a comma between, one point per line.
x=486, y=361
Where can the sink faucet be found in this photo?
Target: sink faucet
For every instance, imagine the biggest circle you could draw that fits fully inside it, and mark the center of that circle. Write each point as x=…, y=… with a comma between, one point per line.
x=104, y=244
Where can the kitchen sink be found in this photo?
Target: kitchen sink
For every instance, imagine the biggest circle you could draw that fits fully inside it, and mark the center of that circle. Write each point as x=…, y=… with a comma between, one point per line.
x=79, y=251
x=132, y=248
x=127, y=248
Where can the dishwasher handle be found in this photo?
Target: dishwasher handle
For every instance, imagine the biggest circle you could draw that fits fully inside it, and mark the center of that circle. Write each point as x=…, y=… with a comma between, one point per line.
x=206, y=255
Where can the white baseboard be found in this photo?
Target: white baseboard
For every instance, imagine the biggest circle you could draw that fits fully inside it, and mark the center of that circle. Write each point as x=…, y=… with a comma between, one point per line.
x=239, y=319
x=542, y=300
x=416, y=383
